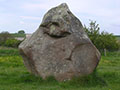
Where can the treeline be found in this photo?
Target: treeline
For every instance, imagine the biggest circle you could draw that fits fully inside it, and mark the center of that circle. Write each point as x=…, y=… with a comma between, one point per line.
x=9, y=40
x=102, y=40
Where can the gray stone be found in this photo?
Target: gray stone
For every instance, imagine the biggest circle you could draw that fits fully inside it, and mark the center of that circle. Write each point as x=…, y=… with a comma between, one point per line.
x=60, y=47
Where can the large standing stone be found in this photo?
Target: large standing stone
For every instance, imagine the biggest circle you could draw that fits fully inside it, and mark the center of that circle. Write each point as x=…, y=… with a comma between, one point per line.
x=59, y=47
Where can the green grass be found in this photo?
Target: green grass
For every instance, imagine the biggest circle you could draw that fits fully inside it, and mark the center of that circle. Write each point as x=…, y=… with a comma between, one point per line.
x=118, y=37
x=14, y=76
x=18, y=35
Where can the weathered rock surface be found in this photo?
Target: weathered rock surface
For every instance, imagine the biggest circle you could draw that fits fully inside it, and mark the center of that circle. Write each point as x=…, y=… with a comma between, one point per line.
x=59, y=47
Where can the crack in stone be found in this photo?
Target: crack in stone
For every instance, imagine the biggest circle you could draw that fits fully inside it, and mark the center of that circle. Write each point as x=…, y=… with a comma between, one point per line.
x=70, y=57
x=65, y=34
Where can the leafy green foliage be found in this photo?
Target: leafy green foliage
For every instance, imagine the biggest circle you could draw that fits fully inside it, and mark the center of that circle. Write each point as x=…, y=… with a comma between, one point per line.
x=7, y=39
x=21, y=32
x=12, y=43
x=4, y=36
x=101, y=40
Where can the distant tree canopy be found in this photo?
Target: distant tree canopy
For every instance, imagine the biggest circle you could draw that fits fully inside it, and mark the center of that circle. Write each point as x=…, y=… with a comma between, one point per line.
x=7, y=39
x=4, y=36
x=102, y=40
x=21, y=32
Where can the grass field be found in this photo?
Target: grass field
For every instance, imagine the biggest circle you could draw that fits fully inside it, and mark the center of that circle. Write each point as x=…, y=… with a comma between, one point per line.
x=18, y=35
x=118, y=37
x=14, y=76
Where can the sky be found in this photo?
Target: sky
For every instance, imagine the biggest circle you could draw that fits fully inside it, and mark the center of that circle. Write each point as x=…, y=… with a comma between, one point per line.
x=27, y=15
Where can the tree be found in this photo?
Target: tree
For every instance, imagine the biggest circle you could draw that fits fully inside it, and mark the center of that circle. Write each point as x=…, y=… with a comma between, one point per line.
x=21, y=32
x=4, y=36
x=102, y=40
x=93, y=31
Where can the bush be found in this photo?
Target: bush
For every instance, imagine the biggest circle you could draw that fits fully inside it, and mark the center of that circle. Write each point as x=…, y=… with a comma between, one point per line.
x=101, y=40
x=12, y=43
x=4, y=36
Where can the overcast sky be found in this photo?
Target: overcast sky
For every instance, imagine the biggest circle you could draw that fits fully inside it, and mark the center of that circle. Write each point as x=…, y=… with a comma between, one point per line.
x=27, y=14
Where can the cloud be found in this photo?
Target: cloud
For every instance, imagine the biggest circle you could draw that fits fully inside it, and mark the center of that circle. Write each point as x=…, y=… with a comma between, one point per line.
x=116, y=25
x=32, y=7
x=37, y=7
x=30, y=17
x=2, y=0
x=96, y=8
x=21, y=22
x=27, y=14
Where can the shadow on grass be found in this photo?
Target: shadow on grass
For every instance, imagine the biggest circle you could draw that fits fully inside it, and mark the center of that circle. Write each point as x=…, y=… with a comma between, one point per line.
x=91, y=80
